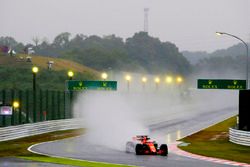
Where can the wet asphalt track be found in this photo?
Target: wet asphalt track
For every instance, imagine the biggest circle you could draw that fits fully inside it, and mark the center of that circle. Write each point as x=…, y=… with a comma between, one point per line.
x=80, y=149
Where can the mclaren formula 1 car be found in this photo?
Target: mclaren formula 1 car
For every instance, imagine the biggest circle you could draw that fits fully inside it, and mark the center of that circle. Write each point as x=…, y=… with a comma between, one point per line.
x=142, y=145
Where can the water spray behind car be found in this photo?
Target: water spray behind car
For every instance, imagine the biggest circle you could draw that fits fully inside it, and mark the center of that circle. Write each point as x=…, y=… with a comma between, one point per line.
x=108, y=118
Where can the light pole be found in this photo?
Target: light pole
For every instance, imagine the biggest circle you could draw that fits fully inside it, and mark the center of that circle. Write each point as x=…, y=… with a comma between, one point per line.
x=144, y=80
x=169, y=79
x=104, y=76
x=15, y=106
x=128, y=79
x=157, y=81
x=34, y=71
x=179, y=80
x=70, y=74
x=224, y=33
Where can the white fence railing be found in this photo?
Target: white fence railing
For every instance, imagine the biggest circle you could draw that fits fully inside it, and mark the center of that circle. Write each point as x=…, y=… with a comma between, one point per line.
x=15, y=132
x=239, y=137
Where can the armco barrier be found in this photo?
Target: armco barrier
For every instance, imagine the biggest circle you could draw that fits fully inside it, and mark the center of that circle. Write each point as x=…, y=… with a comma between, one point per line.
x=15, y=132
x=239, y=137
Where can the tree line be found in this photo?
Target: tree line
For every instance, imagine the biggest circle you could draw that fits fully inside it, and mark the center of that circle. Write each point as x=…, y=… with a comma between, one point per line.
x=139, y=53
x=230, y=62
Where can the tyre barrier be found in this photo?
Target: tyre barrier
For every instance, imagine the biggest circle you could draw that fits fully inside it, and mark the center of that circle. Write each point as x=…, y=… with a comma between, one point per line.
x=25, y=130
x=239, y=137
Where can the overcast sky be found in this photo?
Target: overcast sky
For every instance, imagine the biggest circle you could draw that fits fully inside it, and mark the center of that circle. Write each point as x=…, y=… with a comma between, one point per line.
x=190, y=24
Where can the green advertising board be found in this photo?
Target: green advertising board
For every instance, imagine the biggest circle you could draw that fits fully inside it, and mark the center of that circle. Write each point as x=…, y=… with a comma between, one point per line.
x=221, y=84
x=75, y=85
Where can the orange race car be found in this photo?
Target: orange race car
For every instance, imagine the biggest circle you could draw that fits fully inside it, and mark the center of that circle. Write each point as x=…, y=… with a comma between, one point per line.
x=142, y=145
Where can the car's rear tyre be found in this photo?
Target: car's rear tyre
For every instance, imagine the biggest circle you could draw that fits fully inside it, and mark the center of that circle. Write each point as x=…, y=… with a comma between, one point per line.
x=164, y=150
x=139, y=149
x=145, y=148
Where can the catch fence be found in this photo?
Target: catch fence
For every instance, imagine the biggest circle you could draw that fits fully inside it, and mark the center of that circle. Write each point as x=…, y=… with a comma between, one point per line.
x=36, y=106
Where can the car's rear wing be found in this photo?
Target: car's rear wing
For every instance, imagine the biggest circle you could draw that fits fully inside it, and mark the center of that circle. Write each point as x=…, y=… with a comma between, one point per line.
x=141, y=137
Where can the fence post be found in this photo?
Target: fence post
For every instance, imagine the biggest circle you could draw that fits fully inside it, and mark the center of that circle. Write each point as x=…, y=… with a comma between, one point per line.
x=41, y=105
x=47, y=105
x=13, y=113
x=4, y=117
x=53, y=105
x=58, y=105
x=64, y=105
x=27, y=106
x=34, y=105
x=70, y=102
x=20, y=107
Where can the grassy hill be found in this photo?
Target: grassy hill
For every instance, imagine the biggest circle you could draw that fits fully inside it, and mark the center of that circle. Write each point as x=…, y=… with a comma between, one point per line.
x=16, y=72
x=41, y=61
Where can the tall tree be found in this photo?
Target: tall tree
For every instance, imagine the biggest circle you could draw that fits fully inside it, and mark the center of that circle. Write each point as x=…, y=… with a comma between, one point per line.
x=62, y=39
x=8, y=41
x=36, y=40
x=156, y=56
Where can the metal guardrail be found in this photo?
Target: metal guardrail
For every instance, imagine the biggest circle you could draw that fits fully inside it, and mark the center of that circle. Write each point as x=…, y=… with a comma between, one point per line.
x=239, y=137
x=15, y=132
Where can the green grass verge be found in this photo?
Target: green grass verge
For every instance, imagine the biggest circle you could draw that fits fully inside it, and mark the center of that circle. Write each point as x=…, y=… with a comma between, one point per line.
x=65, y=161
x=18, y=148
x=214, y=142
